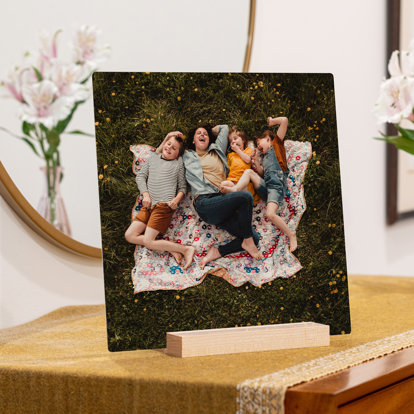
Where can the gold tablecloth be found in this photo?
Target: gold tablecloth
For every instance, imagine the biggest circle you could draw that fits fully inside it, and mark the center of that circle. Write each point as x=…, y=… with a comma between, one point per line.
x=59, y=363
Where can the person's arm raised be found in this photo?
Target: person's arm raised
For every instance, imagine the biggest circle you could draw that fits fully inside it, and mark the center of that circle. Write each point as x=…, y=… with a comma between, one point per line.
x=222, y=132
x=167, y=137
x=282, y=121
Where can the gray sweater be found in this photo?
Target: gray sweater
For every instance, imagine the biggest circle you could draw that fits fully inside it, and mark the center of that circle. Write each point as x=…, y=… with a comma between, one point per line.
x=161, y=178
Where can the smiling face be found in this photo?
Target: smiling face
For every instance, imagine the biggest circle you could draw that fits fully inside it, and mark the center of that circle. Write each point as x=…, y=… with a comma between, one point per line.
x=264, y=144
x=171, y=149
x=236, y=139
x=201, y=139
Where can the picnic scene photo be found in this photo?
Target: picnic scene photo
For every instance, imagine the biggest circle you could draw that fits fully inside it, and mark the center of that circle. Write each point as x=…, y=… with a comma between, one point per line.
x=220, y=196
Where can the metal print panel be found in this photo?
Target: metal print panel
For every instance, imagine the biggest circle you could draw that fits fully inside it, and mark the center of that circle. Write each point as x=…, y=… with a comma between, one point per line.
x=220, y=203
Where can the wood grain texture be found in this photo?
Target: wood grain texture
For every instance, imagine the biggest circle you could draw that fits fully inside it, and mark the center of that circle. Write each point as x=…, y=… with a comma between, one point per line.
x=247, y=339
x=388, y=377
x=398, y=398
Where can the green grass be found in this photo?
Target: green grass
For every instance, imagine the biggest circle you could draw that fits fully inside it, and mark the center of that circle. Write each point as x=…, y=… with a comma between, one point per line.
x=138, y=108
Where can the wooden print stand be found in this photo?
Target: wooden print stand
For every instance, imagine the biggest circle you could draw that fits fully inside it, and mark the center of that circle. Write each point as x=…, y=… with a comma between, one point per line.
x=247, y=339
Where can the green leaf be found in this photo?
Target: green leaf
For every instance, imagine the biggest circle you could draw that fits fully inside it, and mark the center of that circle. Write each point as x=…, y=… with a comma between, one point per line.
x=61, y=125
x=30, y=144
x=53, y=139
x=25, y=139
x=43, y=128
x=27, y=128
x=38, y=74
x=406, y=133
x=86, y=79
x=401, y=143
x=9, y=132
x=77, y=132
x=385, y=138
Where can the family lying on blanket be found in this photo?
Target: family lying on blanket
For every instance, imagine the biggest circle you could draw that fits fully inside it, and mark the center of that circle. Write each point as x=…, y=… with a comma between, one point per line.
x=224, y=188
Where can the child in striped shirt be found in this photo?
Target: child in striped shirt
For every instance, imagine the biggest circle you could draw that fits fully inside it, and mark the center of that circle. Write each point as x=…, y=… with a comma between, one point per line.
x=161, y=181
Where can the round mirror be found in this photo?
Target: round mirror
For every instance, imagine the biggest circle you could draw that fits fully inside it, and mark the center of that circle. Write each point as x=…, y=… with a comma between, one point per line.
x=148, y=37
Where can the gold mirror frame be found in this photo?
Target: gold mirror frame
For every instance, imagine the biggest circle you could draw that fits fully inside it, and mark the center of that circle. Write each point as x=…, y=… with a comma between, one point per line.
x=35, y=221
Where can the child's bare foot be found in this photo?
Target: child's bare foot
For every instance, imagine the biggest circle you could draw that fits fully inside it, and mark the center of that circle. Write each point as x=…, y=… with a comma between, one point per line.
x=188, y=256
x=293, y=243
x=250, y=247
x=177, y=256
x=211, y=255
x=227, y=188
x=227, y=183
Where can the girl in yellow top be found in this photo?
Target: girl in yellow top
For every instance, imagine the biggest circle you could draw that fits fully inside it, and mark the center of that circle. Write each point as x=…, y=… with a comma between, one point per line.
x=239, y=160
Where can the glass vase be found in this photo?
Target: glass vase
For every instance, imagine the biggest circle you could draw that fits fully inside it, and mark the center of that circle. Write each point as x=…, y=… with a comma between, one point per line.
x=51, y=205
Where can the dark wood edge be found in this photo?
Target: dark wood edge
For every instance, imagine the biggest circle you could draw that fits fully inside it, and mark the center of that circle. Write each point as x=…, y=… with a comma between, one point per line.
x=406, y=215
x=393, y=43
x=348, y=385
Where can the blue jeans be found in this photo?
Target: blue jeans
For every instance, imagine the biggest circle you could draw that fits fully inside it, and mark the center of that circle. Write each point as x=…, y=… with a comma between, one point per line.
x=273, y=190
x=233, y=213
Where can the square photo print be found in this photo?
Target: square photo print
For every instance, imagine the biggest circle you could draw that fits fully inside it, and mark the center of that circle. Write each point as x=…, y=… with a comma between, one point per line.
x=220, y=200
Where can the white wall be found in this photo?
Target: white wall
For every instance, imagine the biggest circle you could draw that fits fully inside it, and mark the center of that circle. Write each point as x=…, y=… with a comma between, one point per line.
x=144, y=36
x=344, y=38
x=348, y=40
x=36, y=277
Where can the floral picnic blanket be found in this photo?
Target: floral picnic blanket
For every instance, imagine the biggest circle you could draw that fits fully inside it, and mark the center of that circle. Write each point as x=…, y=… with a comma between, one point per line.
x=155, y=270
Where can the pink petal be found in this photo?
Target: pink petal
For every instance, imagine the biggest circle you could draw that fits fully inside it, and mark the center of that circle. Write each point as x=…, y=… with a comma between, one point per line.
x=14, y=92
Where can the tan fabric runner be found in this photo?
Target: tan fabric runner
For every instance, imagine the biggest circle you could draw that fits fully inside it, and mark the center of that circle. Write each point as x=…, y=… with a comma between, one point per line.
x=267, y=394
x=60, y=363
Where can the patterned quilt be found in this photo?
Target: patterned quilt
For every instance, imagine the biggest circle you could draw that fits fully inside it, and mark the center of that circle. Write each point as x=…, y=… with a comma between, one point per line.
x=154, y=270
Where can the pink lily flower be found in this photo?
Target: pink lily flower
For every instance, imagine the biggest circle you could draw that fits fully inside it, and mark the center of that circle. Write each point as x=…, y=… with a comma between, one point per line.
x=396, y=100
x=43, y=105
x=86, y=49
x=17, y=78
x=68, y=79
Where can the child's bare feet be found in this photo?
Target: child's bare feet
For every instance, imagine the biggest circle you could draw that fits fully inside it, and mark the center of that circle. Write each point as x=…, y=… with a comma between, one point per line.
x=177, y=256
x=227, y=187
x=250, y=247
x=293, y=243
x=227, y=183
x=224, y=189
x=188, y=256
x=211, y=255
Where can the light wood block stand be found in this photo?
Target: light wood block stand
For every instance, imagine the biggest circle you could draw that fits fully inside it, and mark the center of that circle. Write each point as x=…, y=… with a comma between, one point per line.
x=247, y=339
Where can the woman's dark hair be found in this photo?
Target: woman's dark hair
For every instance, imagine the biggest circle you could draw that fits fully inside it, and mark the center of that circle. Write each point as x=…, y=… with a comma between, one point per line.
x=190, y=136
